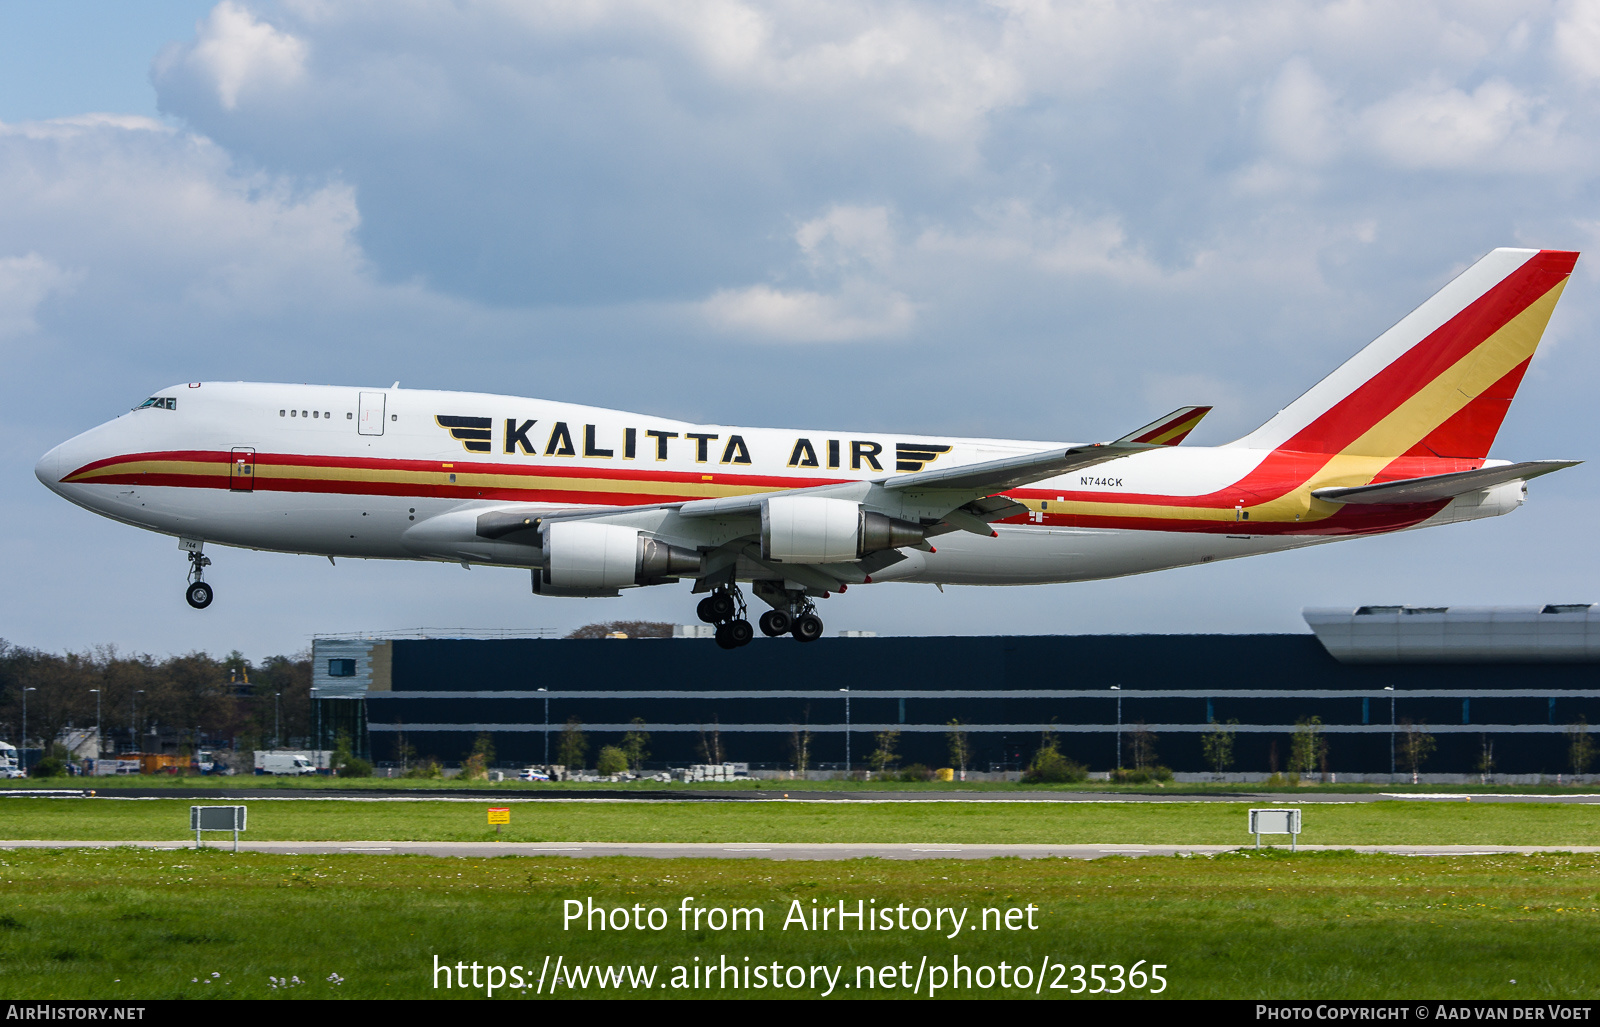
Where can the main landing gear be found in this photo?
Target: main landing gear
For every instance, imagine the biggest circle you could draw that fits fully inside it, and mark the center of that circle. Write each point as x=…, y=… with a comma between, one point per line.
x=198, y=594
x=792, y=613
x=725, y=608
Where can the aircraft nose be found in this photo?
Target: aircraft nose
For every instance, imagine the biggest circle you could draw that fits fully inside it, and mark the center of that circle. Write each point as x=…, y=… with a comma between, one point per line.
x=48, y=469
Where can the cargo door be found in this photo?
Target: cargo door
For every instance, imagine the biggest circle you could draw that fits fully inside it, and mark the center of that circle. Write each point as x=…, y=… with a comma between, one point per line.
x=370, y=420
x=242, y=470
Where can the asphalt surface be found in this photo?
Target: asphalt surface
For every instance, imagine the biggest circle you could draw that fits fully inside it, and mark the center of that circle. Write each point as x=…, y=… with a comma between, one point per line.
x=796, y=851
x=223, y=795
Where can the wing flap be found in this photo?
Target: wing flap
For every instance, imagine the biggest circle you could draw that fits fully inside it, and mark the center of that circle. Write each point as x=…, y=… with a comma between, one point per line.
x=1435, y=487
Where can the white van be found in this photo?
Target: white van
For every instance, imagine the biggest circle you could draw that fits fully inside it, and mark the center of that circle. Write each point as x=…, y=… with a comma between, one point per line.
x=291, y=763
x=10, y=762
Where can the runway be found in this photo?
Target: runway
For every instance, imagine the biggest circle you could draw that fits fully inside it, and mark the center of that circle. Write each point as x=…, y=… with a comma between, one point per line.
x=785, y=851
x=226, y=795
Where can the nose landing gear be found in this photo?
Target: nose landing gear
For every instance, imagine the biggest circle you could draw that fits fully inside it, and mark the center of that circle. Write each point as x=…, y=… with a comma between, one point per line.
x=725, y=608
x=198, y=594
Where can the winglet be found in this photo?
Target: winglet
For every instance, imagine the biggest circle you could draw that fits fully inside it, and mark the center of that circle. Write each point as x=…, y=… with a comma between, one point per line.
x=1169, y=430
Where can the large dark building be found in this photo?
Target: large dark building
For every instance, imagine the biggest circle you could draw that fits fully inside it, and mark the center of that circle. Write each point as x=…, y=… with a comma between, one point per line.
x=1511, y=682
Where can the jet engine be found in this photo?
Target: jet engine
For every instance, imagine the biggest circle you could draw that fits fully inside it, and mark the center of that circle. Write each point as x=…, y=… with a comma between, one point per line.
x=581, y=555
x=816, y=529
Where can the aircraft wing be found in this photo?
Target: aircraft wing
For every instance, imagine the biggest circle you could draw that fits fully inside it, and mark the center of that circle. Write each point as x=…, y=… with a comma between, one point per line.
x=1012, y=471
x=1435, y=487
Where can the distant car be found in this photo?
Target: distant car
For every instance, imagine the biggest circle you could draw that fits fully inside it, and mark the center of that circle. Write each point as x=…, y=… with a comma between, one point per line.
x=533, y=774
x=11, y=772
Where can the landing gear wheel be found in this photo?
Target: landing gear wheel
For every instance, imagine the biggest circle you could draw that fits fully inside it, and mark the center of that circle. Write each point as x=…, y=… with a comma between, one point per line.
x=734, y=634
x=775, y=622
x=807, y=628
x=199, y=595
x=716, y=607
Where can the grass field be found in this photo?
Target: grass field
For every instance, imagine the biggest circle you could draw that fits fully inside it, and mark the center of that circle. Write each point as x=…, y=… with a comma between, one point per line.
x=317, y=783
x=124, y=923
x=1192, y=823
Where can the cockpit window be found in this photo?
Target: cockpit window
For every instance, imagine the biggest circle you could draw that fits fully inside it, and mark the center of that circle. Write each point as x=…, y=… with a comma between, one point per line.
x=160, y=403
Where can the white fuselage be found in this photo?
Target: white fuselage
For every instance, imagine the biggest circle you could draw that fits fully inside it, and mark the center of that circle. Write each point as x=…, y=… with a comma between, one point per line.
x=381, y=473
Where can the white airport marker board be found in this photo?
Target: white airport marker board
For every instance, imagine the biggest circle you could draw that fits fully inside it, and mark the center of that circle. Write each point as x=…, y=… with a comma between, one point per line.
x=1275, y=821
x=217, y=818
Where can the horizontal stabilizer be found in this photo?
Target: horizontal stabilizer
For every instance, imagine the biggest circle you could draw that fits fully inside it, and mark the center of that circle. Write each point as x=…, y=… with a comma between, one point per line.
x=1169, y=430
x=1435, y=487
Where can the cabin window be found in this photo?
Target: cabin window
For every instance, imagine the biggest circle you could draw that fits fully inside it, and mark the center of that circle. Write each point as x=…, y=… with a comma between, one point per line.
x=294, y=413
x=283, y=413
x=316, y=413
x=341, y=668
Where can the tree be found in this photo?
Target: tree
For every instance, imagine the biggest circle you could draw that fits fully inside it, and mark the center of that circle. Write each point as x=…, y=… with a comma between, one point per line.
x=800, y=748
x=884, y=756
x=1049, y=766
x=1142, y=747
x=573, y=749
x=960, y=747
x=630, y=628
x=1217, y=747
x=476, y=766
x=1308, y=747
x=710, y=748
x=344, y=761
x=611, y=760
x=634, y=746
x=1580, y=747
x=1416, y=745
x=1485, y=758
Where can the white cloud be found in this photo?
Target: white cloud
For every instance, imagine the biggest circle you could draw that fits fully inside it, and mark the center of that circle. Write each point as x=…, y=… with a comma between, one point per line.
x=1576, y=38
x=1438, y=126
x=857, y=312
x=237, y=52
x=846, y=236
x=24, y=283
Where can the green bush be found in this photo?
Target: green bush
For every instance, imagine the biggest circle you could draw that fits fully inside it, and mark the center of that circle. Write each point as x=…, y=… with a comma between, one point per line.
x=354, y=766
x=1141, y=775
x=611, y=760
x=916, y=772
x=1050, y=767
x=428, y=769
x=50, y=766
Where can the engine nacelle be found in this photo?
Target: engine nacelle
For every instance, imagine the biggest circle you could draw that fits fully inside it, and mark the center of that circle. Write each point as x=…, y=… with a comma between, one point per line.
x=816, y=529
x=580, y=555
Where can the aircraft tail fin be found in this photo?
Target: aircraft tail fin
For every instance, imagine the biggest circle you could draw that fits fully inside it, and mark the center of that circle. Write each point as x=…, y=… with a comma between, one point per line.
x=1439, y=382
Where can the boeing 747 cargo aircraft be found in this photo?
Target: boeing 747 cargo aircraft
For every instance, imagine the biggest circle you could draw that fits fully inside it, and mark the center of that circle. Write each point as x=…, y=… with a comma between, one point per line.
x=593, y=501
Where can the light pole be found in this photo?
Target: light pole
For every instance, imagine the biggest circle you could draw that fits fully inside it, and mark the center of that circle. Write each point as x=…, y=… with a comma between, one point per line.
x=1118, y=689
x=133, y=718
x=1390, y=690
x=546, y=731
x=96, y=692
x=277, y=739
x=846, y=692
x=25, y=692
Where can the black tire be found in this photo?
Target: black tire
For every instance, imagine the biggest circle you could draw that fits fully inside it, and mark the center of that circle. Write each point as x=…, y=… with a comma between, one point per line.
x=807, y=628
x=705, y=612
x=740, y=631
x=774, y=623
x=725, y=637
x=199, y=595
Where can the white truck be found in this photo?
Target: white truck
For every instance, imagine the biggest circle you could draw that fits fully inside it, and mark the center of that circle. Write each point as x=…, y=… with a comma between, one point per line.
x=10, y=763
x=292, y=763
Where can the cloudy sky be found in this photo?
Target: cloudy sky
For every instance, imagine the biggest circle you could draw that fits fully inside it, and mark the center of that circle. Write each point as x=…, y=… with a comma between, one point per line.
x=1017, y=219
